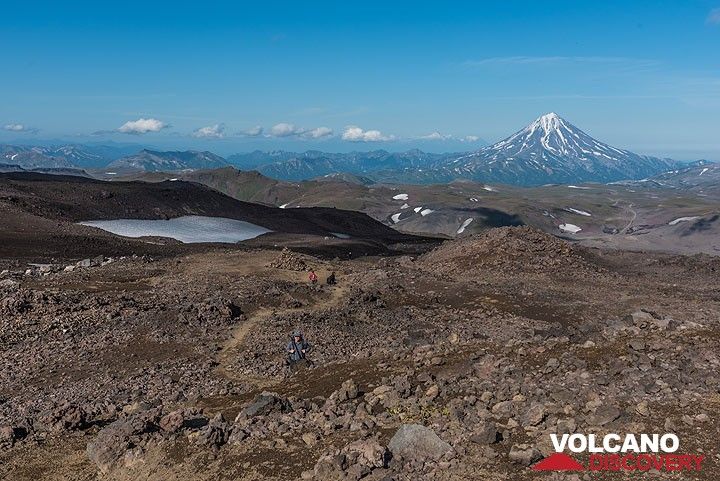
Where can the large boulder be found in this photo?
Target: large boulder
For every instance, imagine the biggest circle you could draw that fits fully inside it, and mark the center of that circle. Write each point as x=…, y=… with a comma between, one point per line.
x=182, y=418
x=65, y=417
x=112, y=442
x=215, y=433
x=414, y=441
x=264, y=404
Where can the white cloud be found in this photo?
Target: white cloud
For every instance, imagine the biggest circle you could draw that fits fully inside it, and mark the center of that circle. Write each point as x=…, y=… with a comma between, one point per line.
x=714, y=16
x=251, y=132
x=470, y=138
x=353, y=133
x=19, y=128
x=436, y=136
x=142, y=126
x=284, y=129
x=216, y=131
x=318, y=133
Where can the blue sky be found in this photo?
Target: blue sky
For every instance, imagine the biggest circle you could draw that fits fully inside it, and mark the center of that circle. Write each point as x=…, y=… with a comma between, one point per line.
x=359, y=76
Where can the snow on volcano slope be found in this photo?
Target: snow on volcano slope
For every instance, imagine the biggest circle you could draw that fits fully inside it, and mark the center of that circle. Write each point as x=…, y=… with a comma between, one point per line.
x=552, y=150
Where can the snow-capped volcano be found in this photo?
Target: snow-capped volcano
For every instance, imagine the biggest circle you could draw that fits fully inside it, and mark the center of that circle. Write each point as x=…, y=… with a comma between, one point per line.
x=552, y=150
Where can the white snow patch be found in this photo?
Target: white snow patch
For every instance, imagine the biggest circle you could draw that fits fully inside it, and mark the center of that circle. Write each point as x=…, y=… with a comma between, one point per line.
x=701, y=173
x=110, y=173
x=400, y=197
x=578, y=211
x=425, y=212
x=404, y=206
x=284, y=206
x=577, y=187
x=683, y=219
x=173, y=180
x=473, y=199
x=396, y=217
x=488, y=188
x=571, y=228
x=418, y=209
x=462, y=227
x=15, y=155
x=192, y=228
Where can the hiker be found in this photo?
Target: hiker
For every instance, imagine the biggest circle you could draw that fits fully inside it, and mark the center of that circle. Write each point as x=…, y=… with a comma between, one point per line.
x=297, y=348
x=331, y=281
x=313, y=277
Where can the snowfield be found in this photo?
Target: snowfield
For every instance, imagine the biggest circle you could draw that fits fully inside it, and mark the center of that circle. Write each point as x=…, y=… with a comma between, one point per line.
x=571, y=228
x=462, y=227
x=190, y=229
x=683, y=219
x=579, y=212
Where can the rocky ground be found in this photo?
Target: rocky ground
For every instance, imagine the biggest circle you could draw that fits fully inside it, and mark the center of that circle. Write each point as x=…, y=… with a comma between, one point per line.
x=453, y=364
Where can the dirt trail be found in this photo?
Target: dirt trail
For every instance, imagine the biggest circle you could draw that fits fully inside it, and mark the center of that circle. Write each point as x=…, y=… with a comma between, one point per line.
x=236, y=340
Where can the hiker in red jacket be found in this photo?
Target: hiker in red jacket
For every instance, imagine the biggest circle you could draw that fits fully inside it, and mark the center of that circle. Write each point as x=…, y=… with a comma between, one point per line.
x=313, y=277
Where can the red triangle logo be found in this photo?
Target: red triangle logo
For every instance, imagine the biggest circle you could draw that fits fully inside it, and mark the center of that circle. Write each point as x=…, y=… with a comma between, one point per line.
x=559, y=462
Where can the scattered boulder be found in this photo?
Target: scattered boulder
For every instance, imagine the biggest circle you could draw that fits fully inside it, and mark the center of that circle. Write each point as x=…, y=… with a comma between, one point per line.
x=264, y=404
x=486, y=433
x=524, y=454
x=216, y=433
x=604, y=414
x=414, y=441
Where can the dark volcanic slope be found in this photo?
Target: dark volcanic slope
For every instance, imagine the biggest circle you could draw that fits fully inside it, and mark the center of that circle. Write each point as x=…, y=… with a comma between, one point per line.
x=75, y=199
x=39, y=212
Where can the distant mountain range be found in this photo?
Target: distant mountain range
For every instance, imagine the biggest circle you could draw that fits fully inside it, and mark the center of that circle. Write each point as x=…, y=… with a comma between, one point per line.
x=311, y=164
x=62, y=156
x=148, y=160
x=548, y=150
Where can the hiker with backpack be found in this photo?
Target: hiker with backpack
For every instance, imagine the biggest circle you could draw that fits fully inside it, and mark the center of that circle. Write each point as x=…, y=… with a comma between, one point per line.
x=297, y=348
x=313, y=277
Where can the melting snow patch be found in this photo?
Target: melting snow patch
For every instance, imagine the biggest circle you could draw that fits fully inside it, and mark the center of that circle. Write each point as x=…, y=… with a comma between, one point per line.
x=577, y=187
x=488, y=188
x=571, y=228
x=191, y=228
x=464, y=225
x=284, y=206
x=400, y=197
x=404, y=206
x=418, y=209
x=578, y=211
x=701, y=173
x=683, y=219
x=425, y=212
x=396, y=217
